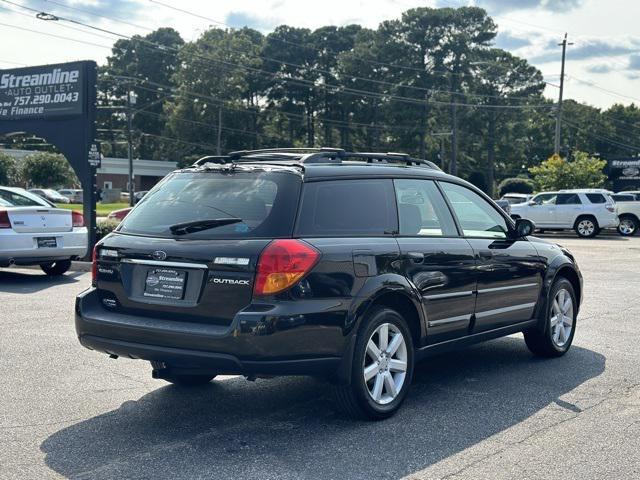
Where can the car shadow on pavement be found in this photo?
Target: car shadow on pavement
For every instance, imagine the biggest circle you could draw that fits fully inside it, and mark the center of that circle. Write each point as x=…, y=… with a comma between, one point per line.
x=287, y=427
x=563, y=235
x=23, y=281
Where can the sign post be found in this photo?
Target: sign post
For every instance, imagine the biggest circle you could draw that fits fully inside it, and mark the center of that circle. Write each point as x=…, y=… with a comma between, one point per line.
x=58, y=103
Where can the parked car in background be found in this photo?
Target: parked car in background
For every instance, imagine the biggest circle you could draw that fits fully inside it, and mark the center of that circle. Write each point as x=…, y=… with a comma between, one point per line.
x=73, y=194
x=50, y=195
x=34, y=232
x=585, y=211
x=346, y=266
x=119, y=214
x=515, y=198
x=625, y=197
x=629, y=216
x=139, y=196
x=505, y=205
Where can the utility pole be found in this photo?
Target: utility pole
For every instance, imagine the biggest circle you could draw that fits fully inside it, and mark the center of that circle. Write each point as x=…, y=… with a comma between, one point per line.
x=219, y=147
x=442, y=136
x=564, y=44
x=131, y=101
x=453, y=166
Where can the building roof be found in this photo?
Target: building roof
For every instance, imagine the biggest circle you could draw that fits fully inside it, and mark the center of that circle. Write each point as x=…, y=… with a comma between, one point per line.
x=116, y=166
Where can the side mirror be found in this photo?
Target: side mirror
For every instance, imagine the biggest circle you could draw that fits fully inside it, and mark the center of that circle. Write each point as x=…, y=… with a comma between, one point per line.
x=531, y=203
x=524, y=227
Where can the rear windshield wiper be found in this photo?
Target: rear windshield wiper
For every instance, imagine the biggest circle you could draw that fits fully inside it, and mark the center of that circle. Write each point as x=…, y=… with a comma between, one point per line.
x=199, y=225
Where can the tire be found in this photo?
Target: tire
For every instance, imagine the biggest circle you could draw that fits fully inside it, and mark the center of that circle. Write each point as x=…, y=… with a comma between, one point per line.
x=628, y=225
x=556, y=339
x=375, y=399
x=586, y=227
x=59, y=267
x=184, y=380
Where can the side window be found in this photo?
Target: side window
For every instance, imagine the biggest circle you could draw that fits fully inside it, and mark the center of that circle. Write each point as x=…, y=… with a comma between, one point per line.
x=477, y=217
x=421, y=209
x=545, y=199
x=348, y=207
x=596, y=198
x=568, y=199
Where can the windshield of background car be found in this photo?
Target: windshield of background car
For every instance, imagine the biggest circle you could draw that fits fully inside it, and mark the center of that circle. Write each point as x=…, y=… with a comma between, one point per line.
x=265, y=200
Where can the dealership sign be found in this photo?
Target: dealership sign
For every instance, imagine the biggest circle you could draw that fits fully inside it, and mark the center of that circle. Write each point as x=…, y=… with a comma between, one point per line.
x=624, y=169
x=42, y=92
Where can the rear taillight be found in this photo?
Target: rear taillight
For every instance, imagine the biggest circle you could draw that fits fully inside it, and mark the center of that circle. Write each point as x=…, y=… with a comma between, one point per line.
x=94, y=266
x=4, y=219
x=611, y=208
x=282, y=264
x=77, y=218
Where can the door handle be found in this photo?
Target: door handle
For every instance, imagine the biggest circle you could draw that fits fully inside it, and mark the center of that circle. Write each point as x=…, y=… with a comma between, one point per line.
x=485, y=254
x=416, y=257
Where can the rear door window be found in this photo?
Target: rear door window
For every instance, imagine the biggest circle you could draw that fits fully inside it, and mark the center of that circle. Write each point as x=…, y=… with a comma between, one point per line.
x=422, y=210
x=568, y=199
x=348, y=208
x=264, y=201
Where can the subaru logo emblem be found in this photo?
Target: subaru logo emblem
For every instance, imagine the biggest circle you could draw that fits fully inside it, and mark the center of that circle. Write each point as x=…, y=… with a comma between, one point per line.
x=159, y=255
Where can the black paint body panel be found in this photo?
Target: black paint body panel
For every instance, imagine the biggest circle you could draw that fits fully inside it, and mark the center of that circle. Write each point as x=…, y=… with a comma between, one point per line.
x=463, y=290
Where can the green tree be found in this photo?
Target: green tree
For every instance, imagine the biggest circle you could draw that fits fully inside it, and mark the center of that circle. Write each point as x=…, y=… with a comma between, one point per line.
x=8, y=169
x=557, y=173
x=147, y=66
x=217, y=79
x=46, y=170
x=503, y=79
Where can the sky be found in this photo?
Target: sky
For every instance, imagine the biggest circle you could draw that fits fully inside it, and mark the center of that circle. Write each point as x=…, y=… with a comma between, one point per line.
x=603, y=64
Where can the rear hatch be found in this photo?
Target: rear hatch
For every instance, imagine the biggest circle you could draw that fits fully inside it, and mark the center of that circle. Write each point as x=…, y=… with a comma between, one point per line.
x=188, y=251
x=40, y=219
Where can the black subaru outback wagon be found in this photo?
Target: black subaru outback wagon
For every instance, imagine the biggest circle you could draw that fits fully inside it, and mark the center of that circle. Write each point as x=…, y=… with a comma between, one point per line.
x=349, y=266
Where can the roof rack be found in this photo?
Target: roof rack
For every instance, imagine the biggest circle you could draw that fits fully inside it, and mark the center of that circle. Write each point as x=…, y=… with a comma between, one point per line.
x=305, y=156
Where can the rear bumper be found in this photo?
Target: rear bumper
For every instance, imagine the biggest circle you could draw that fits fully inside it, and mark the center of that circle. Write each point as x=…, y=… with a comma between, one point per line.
x=23, y=247
x=255, y=343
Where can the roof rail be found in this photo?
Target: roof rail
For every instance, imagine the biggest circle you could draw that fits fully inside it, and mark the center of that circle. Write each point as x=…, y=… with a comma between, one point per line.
x=315, y=155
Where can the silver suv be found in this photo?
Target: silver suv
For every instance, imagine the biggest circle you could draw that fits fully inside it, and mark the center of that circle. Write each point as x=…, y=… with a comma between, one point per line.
x=586, y=211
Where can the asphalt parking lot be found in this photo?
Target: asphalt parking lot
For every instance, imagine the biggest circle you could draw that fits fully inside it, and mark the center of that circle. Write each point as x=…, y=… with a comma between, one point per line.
x=490, y=412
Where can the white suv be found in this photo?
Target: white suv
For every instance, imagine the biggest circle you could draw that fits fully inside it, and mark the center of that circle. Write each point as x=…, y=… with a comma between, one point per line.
x=585, y=211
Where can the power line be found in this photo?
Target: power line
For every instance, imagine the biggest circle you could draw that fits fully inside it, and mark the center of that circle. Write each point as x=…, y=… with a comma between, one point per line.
x=54, y=35
x=113, y=19
x=228, y=105
x=340, y=89
x=595, y=85
x=603, y=138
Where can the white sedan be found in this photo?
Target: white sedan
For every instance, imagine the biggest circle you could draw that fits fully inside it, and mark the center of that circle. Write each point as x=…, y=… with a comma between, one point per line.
x=34, y=232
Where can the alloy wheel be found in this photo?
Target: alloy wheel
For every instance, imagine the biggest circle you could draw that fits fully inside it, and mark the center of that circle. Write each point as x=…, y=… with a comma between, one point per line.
x=385, y=363
x=561, y=320
x=627, y=226
x=586, y=228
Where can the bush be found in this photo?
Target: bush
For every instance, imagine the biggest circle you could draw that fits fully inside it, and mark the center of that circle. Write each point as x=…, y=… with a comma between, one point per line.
x=47, y=170
x=515, y=185
x=105, y=227
x=8, y=169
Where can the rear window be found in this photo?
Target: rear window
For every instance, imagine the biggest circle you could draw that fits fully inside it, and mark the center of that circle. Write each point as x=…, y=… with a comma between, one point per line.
x=596, y=198
x=265, y=201
x=348, y=207
x=25, y=199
